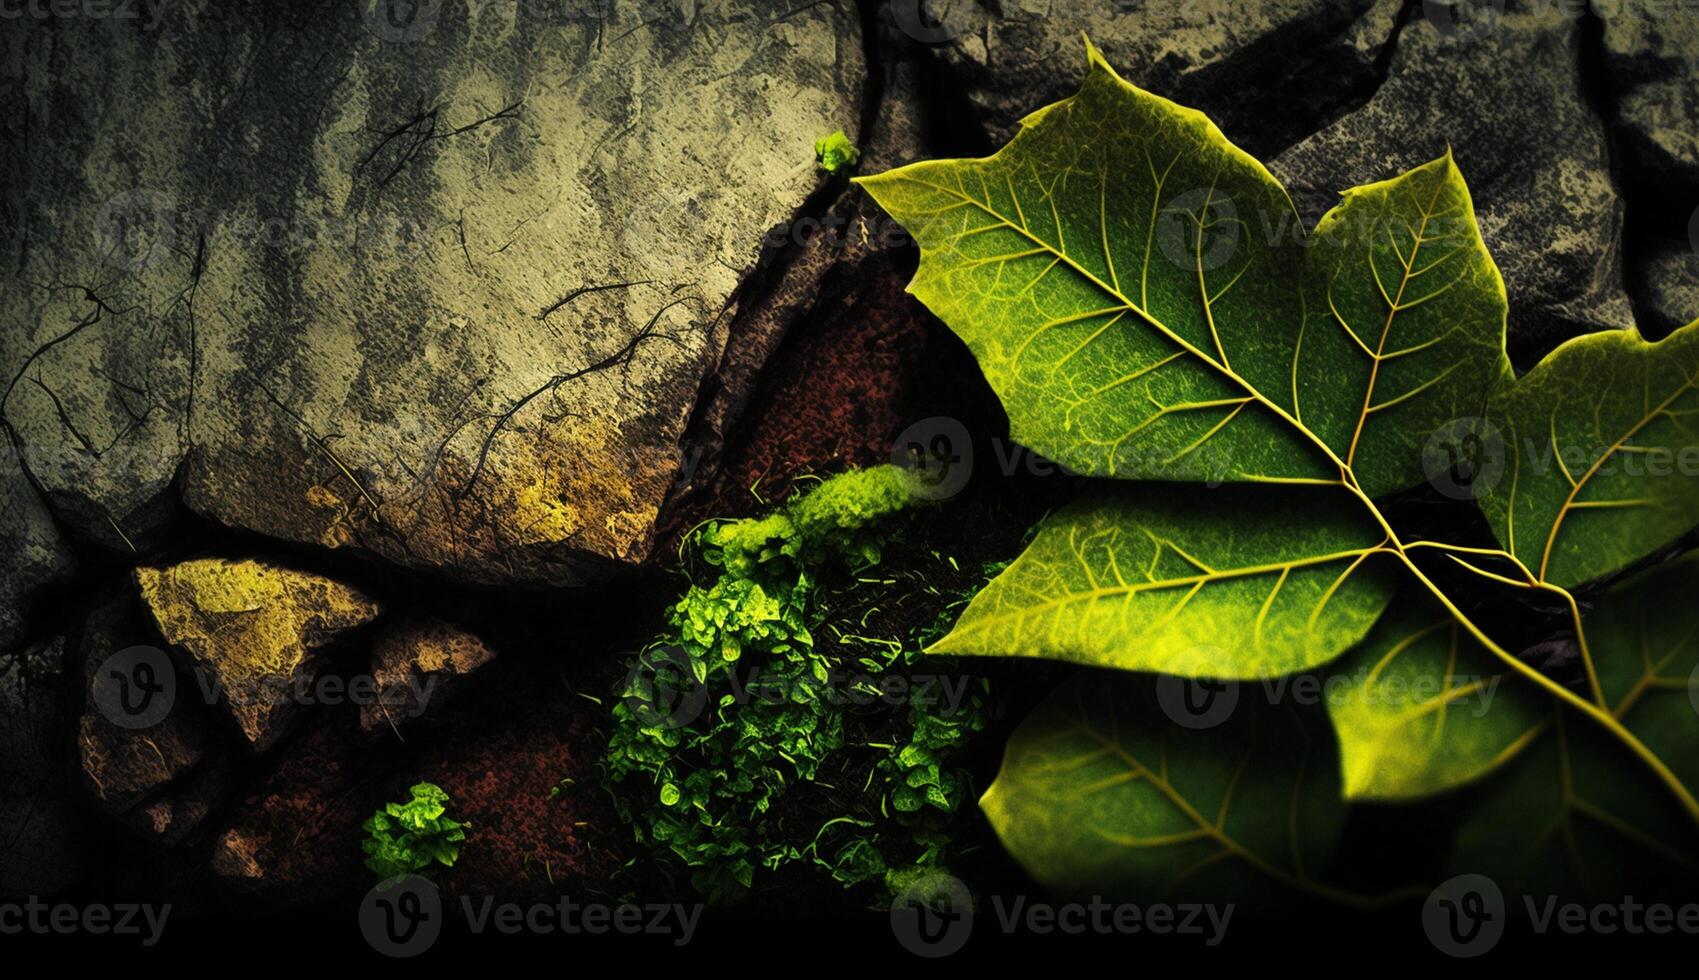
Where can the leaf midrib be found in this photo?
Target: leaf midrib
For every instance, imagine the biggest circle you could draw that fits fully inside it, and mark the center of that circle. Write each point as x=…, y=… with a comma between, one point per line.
x=1156, y=323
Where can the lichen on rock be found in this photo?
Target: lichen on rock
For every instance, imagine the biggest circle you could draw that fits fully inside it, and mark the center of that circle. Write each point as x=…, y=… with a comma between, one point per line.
x=254, y=630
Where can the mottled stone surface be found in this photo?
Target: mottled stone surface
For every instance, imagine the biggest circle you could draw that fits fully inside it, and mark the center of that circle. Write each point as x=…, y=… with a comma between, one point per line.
x=1652, y=64
x=1669, y=292
x=158, y=775
x=36, y=554
x=418, y=665
x=254, y=630
x=446, y=292
x=47, y=846
x=1227, y=58
x=1507, y=99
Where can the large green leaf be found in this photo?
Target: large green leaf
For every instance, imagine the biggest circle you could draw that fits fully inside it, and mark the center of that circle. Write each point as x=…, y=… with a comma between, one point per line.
x=1405, y=323
x=1578, y=815
x=1602, y=440
x=1134, y=287
x=1129, y=283
x=1144, y=578
x=1421, y=707
x=1100, y=795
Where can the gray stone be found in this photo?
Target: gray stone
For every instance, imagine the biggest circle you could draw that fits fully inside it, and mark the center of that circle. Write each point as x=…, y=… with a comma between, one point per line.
x=46, y=838
x=1505, y=96
x=1233, y=60
x=1652, y=63
x=35, y=553
x=449, y=293
x=1668, y=278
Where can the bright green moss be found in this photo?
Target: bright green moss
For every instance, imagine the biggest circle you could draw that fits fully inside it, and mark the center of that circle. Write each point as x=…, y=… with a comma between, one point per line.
x=406, y=838
x=703, y=794
x=835, y=152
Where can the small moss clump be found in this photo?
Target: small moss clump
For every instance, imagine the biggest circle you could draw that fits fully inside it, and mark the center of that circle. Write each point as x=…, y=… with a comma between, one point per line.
x=763, y=682
x=407, y=838
x=836, y=153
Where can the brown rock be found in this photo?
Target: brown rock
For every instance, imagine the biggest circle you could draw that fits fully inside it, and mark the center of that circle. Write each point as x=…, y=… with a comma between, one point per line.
x=159, y=775
x=416, y=666
x=253, y=629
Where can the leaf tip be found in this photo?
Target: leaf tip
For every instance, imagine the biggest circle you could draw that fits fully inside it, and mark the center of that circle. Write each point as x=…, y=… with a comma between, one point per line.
x=1094, y=58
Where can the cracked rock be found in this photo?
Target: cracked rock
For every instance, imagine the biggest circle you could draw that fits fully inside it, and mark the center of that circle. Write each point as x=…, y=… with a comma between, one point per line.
x=419, y=665
x=449, y=293
x=255, y=631
x=159, y=775
x=1260, y=70
x=1539, y=177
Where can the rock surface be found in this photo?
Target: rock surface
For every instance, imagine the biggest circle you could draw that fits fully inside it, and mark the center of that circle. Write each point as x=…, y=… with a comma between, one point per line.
x=36, y=555
x=1235, y=61
x=159, y=774
x=1651, y=62
x=254, y=630
x=419, y=665
x=1539, y=177
x=446, y=291
x=1669, y=290
x=46, y=840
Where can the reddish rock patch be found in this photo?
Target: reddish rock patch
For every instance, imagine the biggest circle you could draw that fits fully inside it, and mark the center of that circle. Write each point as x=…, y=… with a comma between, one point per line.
x=867, y=361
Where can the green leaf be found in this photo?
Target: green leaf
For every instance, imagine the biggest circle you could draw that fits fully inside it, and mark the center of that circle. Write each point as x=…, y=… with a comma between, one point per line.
x=1138, y=292
x=1421, y=708
x=1405, y=323
x=1602, y=439
x=1578, y=815
x=1110, y=271
x=1099, y=795
x=1144, y=578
